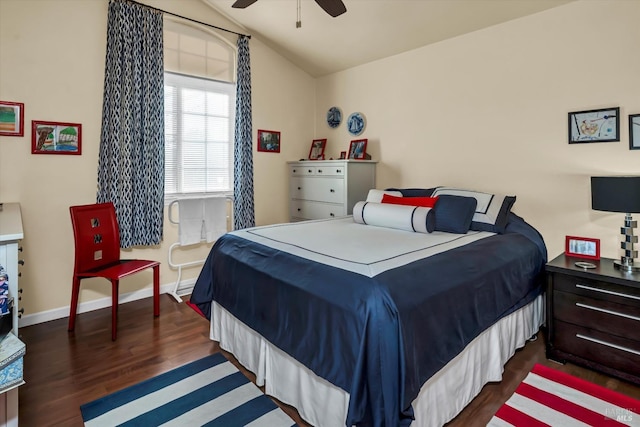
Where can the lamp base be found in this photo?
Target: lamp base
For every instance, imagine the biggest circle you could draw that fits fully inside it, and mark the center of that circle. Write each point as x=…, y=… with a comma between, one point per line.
x=629, y=268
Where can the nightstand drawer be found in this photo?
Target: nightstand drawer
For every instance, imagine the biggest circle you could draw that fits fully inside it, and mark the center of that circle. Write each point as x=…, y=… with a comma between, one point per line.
x=605, y=316
x=596, y=289
x=602, y=348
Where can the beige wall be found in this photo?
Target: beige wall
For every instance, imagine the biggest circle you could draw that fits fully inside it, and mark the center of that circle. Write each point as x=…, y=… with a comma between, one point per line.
x=52, y=59
x=488, y=111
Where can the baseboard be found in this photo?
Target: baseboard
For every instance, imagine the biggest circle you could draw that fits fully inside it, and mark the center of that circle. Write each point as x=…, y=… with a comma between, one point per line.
x=185, y=288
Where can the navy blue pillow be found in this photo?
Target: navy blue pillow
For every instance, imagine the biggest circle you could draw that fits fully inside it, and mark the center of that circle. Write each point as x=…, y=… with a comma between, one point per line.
x=492, y=210
x=453, y=214
x=413, y=192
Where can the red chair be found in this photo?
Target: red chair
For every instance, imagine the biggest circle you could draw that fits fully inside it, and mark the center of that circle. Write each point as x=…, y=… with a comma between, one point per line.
x=97, y=254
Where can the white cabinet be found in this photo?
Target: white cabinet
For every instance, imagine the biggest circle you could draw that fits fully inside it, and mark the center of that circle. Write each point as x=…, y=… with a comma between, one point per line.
x=328, y=188
x=10, y=236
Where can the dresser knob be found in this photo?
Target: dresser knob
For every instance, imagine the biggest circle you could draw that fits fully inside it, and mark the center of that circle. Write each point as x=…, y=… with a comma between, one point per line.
x=20, y=274
x=299, y=188
x=309, y=170
x=338, y=170
x=319, y=170
x=20, y=290
x=331, y=214
x=299, y=210
x=332, y=190
x=21, y=262
x=20, y=312
x=20, y=248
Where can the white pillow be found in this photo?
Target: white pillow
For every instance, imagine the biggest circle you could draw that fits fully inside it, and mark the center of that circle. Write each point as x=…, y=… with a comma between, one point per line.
x=409, y=218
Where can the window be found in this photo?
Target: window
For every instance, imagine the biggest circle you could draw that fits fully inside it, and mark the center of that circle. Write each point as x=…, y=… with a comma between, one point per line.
x=199, y=112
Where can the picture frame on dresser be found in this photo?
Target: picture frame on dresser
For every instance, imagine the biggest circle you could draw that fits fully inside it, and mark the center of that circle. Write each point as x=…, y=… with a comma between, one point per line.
x=634, y=132
x=269, y=141
x=11, y=118
x=582, y=247
x=602, y=125
x=358, y=149
x=316, y=152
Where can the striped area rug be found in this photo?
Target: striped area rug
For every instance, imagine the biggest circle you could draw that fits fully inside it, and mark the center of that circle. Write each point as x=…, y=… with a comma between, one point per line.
x=207, y=392
x=548, y=397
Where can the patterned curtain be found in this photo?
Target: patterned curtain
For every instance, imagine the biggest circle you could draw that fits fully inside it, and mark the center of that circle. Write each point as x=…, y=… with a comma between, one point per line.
x=131, y=163
x=243, y=208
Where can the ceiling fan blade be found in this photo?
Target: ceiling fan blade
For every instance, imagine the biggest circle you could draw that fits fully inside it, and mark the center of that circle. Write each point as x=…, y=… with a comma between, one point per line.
x=241, y=4
x=332, y=7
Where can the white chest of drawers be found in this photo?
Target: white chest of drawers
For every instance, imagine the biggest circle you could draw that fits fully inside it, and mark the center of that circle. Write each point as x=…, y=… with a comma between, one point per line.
x=328, y=188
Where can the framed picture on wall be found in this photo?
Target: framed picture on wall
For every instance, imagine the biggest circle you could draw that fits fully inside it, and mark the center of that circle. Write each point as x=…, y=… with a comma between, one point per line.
x=317, y=149
x=634, y=132
x=594, y=126
x=11, y=118
x=56, y=138
x=582, y=247
x=269, y=141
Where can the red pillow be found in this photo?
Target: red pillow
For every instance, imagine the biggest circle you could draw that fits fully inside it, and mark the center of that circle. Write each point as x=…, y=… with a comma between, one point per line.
x=425, y=202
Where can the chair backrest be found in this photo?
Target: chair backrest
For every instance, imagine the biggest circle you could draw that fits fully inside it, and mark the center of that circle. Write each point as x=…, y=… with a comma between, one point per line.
x=96, y=236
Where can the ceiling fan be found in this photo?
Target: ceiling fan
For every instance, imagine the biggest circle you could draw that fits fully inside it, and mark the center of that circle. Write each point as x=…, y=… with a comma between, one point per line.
x=332, y=7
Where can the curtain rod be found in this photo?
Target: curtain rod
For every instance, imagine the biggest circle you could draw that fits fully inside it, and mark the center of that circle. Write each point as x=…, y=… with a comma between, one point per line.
x=189, y=19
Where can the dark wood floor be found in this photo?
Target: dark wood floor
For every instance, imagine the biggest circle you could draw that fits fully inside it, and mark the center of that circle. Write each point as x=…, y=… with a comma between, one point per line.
x=63, y=370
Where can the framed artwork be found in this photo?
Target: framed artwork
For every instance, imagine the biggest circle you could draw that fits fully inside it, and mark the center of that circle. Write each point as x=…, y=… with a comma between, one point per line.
x=11, y=118
x=358, y=149
x=582, y=247
x=594, y=126
x=269, y=141
x=317, y=149
x=56, y=138
x=634, y=132
x=343, y=154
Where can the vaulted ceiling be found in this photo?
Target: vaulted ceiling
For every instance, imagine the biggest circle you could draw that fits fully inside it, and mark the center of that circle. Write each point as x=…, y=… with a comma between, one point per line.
x=370, y=29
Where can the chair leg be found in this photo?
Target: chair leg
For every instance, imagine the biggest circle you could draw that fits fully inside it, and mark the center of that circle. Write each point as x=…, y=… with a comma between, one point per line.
x=156, y=291
x=73, y=309
x=114, y=308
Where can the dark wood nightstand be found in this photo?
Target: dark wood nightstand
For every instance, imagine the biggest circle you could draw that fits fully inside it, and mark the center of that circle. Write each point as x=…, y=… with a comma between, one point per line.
x=593, y=316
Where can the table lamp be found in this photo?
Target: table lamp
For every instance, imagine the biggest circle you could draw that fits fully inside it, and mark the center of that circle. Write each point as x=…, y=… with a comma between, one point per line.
x=619, y=194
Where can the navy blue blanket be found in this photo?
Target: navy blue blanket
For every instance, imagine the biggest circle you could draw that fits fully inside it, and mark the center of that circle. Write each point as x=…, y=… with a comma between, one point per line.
x=378, y=338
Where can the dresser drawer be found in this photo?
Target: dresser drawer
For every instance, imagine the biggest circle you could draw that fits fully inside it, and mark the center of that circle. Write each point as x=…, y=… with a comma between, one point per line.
x=304, y=209
x=330, y=170
x=608, y=350
x=302, y=170
x=319, y=189
x=596, y=289
x=594, y=313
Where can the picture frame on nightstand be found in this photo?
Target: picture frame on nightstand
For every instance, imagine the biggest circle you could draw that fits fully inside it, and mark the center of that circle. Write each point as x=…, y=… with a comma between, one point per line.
x=582, y=247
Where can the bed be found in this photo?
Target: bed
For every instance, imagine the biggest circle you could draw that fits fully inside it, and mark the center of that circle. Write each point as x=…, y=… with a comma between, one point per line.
x=355, y=322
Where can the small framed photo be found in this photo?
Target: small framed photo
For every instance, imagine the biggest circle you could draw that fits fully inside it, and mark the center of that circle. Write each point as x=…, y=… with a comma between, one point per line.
x=594, y=126
x=269, y=141
x=11, y=118
x=56, y=138
x=317, y=149
x=343, y=154
x=582, y=247
x=358, y=149
x=634, y=132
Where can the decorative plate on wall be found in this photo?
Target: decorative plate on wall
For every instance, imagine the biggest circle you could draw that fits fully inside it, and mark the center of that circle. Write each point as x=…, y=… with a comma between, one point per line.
x=356, y=123
x=334, y=117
